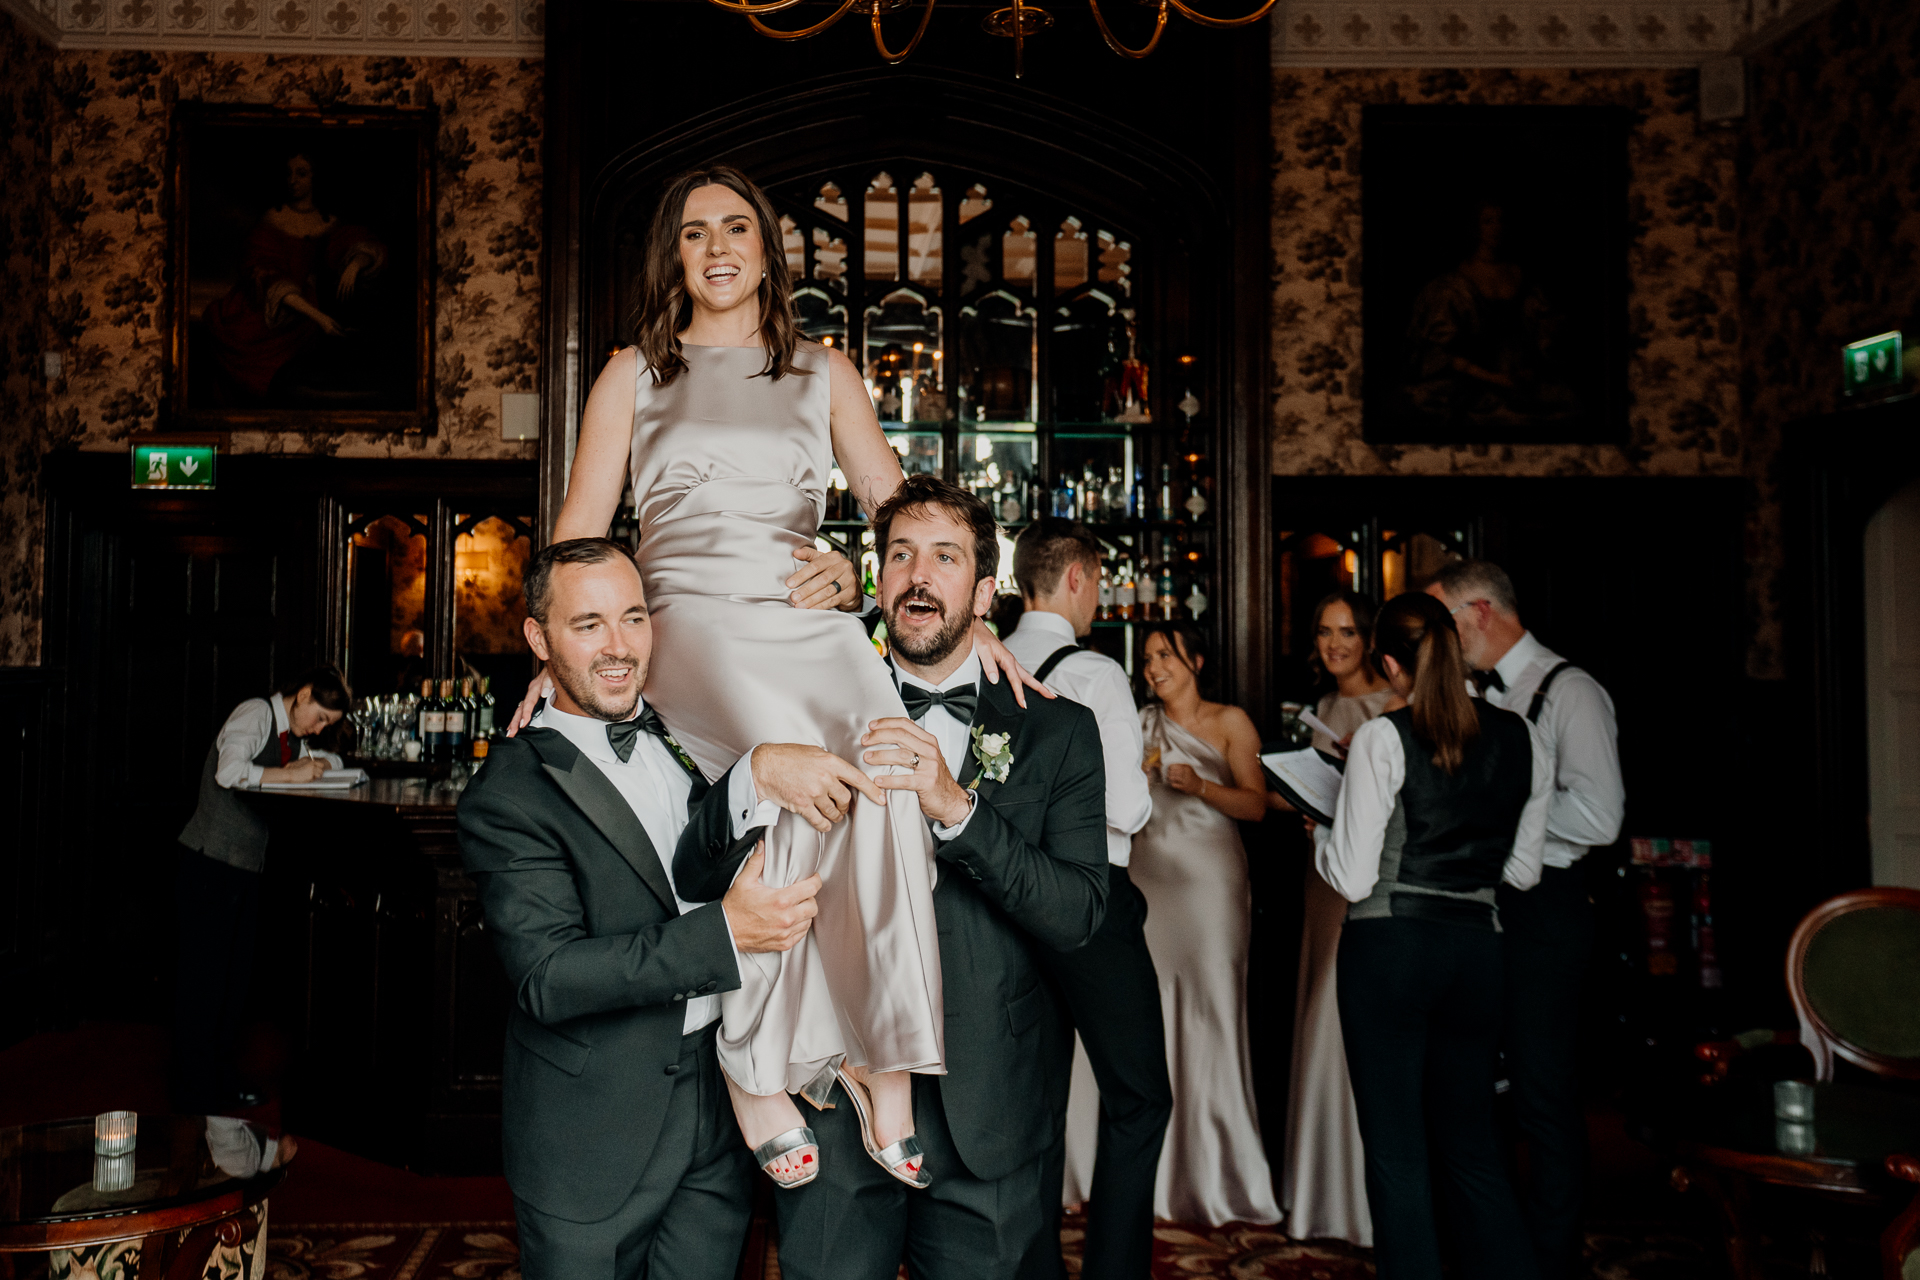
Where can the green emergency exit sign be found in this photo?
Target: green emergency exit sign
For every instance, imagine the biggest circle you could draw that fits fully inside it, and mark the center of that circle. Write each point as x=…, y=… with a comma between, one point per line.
x=174, y=464
x=1871, y=363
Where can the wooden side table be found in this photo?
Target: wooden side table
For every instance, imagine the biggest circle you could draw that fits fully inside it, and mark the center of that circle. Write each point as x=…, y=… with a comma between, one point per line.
x=189, y=1202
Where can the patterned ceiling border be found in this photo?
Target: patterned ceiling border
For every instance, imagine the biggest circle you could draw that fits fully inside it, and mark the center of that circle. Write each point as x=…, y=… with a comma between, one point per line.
x=1527, y=33
x=385, y=28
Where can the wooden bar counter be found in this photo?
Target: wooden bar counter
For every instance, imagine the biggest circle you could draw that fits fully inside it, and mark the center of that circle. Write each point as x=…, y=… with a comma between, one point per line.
x=376, y=957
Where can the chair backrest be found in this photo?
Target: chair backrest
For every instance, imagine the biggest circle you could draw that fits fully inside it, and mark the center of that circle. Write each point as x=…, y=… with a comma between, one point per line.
x=1853, y=970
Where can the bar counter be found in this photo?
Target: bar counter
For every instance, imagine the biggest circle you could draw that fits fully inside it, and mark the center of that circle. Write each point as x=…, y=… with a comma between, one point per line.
x=377, y=962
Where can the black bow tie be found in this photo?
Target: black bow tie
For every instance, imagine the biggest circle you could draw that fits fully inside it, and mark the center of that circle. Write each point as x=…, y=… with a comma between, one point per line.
x=1485, y=680
x=959, y=703
x=621, y=733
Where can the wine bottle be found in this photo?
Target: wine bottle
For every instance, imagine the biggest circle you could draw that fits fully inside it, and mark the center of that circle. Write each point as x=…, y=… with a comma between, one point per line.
x=483, y=730
x=1143, y=603
x=432, y=722
x=455, y=741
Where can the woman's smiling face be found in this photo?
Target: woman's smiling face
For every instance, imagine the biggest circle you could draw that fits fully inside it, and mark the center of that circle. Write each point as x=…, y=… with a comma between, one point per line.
x=722, y=251
x=1341, y=646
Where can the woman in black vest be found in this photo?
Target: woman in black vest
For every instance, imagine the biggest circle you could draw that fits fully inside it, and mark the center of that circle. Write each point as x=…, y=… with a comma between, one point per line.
x=217, y=892
x=1443, y=800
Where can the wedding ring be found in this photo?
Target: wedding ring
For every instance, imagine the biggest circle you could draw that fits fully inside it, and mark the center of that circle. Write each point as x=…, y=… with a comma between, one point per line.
x=836, y=586
x=916, y=759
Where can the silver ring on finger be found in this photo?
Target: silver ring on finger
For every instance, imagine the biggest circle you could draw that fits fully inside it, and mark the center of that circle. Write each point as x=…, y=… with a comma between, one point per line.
x=916, y=759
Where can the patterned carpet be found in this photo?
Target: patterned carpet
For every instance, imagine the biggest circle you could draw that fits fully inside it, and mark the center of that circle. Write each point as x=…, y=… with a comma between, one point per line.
x=487, y=1251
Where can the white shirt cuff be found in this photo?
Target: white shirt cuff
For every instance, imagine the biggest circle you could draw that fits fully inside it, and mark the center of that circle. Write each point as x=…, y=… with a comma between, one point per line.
x=254, y=773
x=745, y=808
x=944, y=833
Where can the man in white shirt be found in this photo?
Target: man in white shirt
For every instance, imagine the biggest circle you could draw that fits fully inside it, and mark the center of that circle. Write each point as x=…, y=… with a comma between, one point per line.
x=1549, y=929
x=621, y=1147
x=1110, y=988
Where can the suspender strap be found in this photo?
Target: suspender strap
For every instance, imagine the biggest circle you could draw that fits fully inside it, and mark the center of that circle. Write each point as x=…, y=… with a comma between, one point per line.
x=1054, y=659
x=1540, y=694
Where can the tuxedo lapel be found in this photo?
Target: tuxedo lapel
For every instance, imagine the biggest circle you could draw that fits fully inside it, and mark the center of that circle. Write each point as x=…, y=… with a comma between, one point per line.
x=594, y=794
x=996, y=712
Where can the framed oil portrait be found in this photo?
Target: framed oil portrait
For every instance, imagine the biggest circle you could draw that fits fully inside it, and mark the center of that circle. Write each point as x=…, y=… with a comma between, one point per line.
x=303, y=250
x=1494, y=278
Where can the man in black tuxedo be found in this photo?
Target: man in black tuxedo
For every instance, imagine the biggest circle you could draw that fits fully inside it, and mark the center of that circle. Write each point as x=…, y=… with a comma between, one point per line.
x=1017, y=803
x=620, y=1144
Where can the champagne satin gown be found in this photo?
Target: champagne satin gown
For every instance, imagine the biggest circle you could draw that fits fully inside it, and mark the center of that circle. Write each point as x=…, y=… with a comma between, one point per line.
x=1189, y=863
x=1324, y=1178
x=729, y=475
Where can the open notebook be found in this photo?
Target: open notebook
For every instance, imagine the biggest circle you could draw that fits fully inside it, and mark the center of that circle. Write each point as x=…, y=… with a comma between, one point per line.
x=331, y=780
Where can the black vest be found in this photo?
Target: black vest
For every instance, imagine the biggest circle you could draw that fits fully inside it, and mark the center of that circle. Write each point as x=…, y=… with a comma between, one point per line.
x=1460, y=828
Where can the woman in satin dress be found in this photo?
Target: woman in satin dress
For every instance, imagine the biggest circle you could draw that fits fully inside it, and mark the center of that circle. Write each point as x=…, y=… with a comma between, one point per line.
x=1190, y=865
x=1323, y=1182
x=729, y=425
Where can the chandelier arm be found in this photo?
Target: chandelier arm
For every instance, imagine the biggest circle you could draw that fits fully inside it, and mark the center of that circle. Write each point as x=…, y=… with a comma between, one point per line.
x=1221, y=23
x=804, y=32
x=749, y=8
x=880, y=41
x=1113, y=42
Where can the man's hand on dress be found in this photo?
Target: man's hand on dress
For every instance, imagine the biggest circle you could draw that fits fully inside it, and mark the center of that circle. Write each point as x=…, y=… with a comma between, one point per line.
x=763, y=918
x=810, y=781
x=902, y=742
x=825, y=580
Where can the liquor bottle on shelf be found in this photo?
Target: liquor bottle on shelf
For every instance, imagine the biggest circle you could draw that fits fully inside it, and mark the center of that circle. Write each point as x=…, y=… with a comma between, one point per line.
x=1104, y=613
x=1038, y=499
x=1196, y=600
x=1064, y=498
x=1169, y=602
x=456, y=711
x=1165, y=509
x=1137, y=506
x=1010, y=505
x=1143, y=594
x=1196, y=504
x=1124, y=598
x=433, y=723
x=483, y=727
x=1092, y=496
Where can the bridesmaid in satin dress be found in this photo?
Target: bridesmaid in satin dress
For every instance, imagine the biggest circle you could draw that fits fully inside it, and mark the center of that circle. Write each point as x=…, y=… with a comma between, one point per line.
x=1323, y=1184
x=1188, y=862
x=728, y=424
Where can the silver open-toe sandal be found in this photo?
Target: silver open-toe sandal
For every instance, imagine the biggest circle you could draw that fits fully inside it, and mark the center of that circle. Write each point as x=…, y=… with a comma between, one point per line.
x=785, y=1144
x=894, y=1154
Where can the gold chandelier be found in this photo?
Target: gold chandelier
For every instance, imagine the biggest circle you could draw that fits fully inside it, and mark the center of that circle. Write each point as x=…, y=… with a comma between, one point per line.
x=1018, y=22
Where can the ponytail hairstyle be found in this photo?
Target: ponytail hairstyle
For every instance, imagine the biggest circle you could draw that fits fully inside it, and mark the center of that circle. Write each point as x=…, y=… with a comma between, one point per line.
x=1416, y=631
x=665, y=309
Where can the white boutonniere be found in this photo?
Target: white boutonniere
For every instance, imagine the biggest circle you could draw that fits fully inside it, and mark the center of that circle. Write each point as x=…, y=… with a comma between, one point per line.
x=993, y=751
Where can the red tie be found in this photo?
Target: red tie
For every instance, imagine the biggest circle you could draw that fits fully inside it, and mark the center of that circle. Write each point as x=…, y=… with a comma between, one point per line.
x=286, y=748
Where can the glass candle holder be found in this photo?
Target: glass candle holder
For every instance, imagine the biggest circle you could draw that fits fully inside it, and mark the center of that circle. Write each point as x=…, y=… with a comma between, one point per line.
x=115, y=1132
x=1793, y=1139
x=1793, y=1101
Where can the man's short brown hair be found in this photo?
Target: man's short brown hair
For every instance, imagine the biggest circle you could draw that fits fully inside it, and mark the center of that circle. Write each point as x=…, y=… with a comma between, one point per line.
x=1045, y=548
x=537, y=584
x=918, y=492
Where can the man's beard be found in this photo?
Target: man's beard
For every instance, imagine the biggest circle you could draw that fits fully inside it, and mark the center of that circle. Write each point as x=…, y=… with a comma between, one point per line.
x=939, y=646
x=585, y=690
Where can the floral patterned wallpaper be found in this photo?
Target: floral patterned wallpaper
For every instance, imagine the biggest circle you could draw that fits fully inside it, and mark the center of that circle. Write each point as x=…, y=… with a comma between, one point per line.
x=1683, y=303
x=1830, y=200
x=26, y=162
x=105, y=246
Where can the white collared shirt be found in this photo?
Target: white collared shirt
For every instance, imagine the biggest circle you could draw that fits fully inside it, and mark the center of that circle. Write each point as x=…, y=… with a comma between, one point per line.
x=953, y=736
x=656, y=787
x=1099, y=684
x=250, y=727
x=1376, y=770
x=1590, y=798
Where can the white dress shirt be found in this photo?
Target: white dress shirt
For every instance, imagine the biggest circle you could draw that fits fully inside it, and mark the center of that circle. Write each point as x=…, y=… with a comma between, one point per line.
x=954, y=736
x=1589, y=798
x=656, y=788
x=1376, y=770
x=251, y=726
x=1099, y=684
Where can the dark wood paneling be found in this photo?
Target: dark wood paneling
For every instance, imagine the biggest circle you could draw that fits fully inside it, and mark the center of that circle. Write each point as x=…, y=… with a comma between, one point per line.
x=33, y=870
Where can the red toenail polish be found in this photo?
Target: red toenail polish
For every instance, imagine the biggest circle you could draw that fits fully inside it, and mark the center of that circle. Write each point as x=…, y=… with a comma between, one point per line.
x=806, y=1159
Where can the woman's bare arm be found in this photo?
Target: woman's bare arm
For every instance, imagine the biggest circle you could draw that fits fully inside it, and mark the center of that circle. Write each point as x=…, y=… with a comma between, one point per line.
x=600, y=455
x=869, y=463
x=1246, y=799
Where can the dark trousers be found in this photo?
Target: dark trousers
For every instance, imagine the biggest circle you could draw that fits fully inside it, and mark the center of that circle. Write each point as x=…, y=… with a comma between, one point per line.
x=1420, y=1005
x=856, y=1222
x=216, y=908
x=1549, y=934
x=1112, y=994
x=686, y=1219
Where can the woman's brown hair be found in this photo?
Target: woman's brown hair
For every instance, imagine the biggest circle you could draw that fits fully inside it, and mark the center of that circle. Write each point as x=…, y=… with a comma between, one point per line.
x=1416, y=631
x=1361, y=607
x=1189, y=645
x=665, y=309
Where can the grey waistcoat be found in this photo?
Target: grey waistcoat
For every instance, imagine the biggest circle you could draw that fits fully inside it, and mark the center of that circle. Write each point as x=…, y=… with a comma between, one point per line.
x=225, y=826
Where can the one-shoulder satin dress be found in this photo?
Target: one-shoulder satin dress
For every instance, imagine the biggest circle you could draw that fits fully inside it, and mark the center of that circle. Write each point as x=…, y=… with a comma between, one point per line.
x=729, y=474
